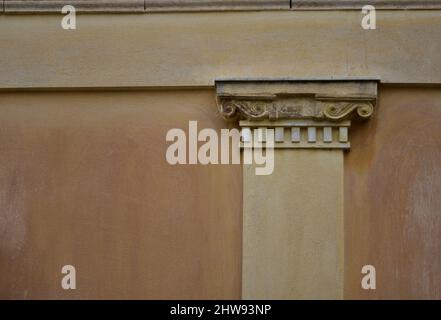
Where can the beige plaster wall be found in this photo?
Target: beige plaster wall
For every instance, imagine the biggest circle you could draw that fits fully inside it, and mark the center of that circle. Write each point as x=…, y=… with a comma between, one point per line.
x=193, y=49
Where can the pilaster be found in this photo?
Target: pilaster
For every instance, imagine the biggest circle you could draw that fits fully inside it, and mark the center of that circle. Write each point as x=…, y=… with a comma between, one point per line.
x=293, y=219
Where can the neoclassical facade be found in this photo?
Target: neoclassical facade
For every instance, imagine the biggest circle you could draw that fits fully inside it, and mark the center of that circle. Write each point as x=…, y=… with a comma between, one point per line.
x=356, y=117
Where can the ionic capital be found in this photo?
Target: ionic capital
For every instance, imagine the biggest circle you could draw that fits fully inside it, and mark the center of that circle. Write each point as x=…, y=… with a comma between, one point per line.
x=304, y=114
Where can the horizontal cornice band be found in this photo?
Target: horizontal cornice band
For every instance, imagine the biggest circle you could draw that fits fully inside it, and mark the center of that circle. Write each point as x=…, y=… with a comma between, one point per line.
x=140, y=6
x=48, y=6
x=358, y=4
x=216, y=5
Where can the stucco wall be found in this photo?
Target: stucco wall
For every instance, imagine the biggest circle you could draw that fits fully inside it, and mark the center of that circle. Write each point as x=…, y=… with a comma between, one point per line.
x=392, y=202
x=193, y=49
x=84, y=181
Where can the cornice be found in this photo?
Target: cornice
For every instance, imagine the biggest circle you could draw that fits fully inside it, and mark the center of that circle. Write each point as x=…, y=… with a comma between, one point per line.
x=216, y=5
x=55, y=6
x=146, y=6
x=358, y=4
x=139, y=6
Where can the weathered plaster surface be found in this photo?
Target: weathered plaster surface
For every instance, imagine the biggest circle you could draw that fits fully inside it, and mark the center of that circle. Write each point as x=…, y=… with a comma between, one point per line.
x=187, y=50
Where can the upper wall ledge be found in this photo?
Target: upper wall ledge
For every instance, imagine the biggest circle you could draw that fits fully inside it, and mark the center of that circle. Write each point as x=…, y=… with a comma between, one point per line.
x=140, y=6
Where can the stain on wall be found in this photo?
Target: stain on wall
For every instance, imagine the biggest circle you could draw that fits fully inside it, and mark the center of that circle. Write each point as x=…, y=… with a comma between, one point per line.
x=392, y=197
x=84, y=181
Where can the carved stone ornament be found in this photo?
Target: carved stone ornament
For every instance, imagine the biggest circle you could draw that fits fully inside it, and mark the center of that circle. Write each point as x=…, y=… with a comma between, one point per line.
x=290, y=99
x=276, y=107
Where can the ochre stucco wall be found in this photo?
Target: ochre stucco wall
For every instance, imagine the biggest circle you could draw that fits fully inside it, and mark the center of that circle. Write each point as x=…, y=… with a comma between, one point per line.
x=392, y=197
x=84, y=181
